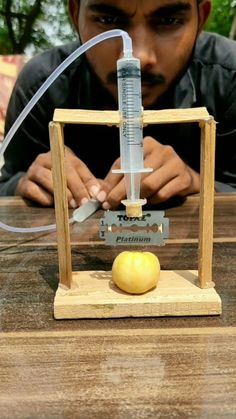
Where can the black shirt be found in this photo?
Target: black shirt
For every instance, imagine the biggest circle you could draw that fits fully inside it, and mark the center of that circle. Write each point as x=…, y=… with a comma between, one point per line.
x=210, y=81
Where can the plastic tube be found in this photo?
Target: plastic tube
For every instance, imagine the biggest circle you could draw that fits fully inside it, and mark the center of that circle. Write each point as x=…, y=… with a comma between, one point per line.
x=30, y=229
x=127, y=50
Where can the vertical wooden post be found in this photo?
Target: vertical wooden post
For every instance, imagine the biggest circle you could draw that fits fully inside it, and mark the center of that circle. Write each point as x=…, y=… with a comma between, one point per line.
x=61, y=204
x=207, y=173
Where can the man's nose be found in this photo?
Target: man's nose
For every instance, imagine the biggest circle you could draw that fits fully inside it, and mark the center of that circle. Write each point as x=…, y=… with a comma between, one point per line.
x=144, y=47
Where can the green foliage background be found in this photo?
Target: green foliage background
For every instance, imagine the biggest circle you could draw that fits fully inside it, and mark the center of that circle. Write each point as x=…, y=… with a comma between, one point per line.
x=221, y=17
x=23, y=32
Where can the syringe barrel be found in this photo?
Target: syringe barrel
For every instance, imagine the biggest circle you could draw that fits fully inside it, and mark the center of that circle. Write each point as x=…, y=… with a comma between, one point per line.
x=130, y=107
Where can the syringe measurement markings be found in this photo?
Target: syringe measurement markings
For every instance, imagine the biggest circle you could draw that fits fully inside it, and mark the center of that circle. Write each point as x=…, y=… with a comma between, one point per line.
x=129, y=131
x=136, y=144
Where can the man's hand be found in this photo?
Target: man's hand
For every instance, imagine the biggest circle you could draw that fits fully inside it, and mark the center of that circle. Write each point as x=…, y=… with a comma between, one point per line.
x=170, y=177
x=37, y=184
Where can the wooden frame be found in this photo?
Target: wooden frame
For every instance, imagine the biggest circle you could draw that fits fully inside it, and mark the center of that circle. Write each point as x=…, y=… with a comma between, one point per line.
x=83, y=294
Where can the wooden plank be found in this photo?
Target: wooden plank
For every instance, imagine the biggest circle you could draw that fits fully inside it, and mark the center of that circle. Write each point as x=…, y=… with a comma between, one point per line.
x=15, y=201
x=85, y=116
x=229, y=331
x=173, y=116
x=166, y=116
x=183, y=220
x=192, y=200
x=89, y=374
x=2, y=125
x=207, y=172
x=8, y=69
x=61, y=204
x=29, y=280
x=94, y=295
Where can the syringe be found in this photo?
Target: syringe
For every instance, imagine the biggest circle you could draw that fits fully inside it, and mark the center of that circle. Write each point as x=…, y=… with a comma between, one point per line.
x=131, y=131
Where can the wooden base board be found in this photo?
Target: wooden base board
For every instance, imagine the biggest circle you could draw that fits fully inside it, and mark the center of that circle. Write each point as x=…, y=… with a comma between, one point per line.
x=94, y=295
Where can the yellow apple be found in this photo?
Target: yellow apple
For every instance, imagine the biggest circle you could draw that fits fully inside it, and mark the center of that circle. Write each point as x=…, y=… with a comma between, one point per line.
x=136, y=272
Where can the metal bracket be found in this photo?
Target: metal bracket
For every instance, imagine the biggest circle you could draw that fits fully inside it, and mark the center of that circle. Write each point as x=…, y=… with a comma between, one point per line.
x=119, y=230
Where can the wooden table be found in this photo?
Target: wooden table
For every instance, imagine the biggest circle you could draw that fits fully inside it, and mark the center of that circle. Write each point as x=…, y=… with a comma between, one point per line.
x=115, y=368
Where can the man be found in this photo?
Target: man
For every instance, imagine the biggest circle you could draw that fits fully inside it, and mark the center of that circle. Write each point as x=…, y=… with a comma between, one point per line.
x=180, y=68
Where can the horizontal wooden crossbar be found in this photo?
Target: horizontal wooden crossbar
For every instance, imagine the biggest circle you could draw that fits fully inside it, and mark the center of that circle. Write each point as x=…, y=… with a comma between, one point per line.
x=166, y=116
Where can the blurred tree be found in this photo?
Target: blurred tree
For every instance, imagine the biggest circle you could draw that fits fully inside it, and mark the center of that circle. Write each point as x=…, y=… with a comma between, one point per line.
x=33, y=25
x=222, y=17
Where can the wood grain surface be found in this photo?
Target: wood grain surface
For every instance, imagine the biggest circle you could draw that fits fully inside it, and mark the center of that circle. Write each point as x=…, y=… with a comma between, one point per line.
x=113, y=368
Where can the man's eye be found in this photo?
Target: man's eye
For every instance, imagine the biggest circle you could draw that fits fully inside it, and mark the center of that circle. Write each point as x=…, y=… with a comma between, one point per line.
x=169, y=21
x=109, y=20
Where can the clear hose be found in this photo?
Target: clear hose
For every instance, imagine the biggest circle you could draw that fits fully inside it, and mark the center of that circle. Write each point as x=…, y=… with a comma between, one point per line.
x=29, y=229
x=127, y=50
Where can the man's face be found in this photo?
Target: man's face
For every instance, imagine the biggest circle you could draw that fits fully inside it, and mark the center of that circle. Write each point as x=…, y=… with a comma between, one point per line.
x=163, y=33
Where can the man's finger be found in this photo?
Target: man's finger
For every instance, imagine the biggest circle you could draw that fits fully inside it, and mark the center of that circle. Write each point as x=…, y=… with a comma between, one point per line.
x=80, y=181
x=41, y=176
x=31, y=190
x=116, y=195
